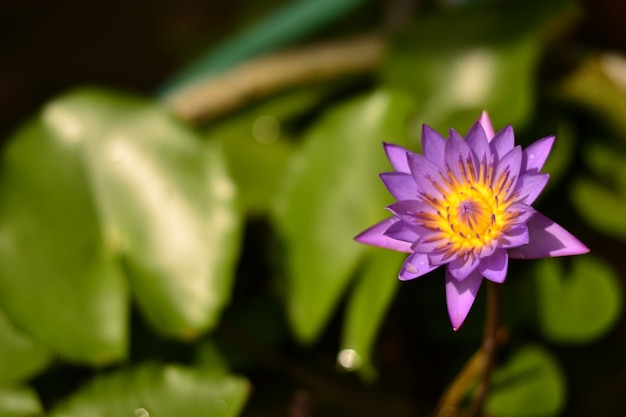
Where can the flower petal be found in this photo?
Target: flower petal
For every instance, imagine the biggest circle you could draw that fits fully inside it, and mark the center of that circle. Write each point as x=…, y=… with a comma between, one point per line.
x=415, y=265
x=397, y=156
x=429, y=242
x=477, y=141
x=401, y=186
x=485, y=122
x=535, y=154
x=508, y=170
x=457, y=155
x=503, y=142
x=460, y=296
x=515, y=237
x=406, y=210
x=425, y=173
x=433, y=144
x=403, y=231
x=529, y=186
x=495, y=266
x=375, y=236
x=460, y=268
x=522, y=212
x=547, y=239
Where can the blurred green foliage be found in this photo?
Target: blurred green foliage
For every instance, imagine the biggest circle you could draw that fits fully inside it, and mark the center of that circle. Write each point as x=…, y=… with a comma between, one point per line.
x=130, y=240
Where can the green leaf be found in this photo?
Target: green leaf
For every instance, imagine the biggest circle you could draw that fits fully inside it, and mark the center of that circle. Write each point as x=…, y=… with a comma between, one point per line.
x=258, y=146
x=19, y=401
x=160, y=390
x=600, y=201
x=20, y=355
x=578, y=305
x=332, y=193
x=471, y=59
x=56, y=280
x=98, y=181
x=366, y=310
x=530, y=384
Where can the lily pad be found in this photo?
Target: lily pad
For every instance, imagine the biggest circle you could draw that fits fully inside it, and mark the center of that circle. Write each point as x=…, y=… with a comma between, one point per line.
x=529, y=384
x=580, y=304
x=331, y=194
x=158, y=391
x=102, y=190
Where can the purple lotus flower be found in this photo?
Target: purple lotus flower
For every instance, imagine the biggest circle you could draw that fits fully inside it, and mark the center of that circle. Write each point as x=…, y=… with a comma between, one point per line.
x=466, y=204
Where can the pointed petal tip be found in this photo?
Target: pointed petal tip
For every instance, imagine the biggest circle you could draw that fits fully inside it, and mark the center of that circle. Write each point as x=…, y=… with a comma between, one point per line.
x=374, y=236
x=485, y=123
x=547, y=239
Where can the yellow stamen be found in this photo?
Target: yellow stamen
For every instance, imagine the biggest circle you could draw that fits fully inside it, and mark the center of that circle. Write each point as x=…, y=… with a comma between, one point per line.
x=473, y=211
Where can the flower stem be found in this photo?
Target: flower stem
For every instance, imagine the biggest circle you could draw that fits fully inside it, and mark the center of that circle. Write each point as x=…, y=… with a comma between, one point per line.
x=490, y=345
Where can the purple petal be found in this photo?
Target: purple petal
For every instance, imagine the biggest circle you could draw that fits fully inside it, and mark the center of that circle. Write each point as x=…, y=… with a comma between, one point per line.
x=425, y=173
x=375, y=236
x=485, y=122
x=509, y=166
x=406, y=210
x=503, y=142
x=547, y=239
x=477, y=141
x=461, y=268
x=495, y=266
x=415, y=265
x=433, y=144
x=457, y=153
x=529, y=186
x=460, y=296
x=400, y=185
x=429, y=242
x=440, y=257
x=523, y=213
x=397, y=156
x=535, y=154
x=515, y=237
x=403, y=231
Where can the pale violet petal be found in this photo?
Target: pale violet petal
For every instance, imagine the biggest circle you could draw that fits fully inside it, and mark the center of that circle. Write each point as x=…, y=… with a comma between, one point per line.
x=426, y=174
x=485, y=122
x=515, y=237
x=397, y=156
x=529, y=186
x=535, y=154
x=375, y=236
x=461, y=268
x=433, y=144
x=457, y=155
x=477, y=141
x=460, y=296
x=415, y=265
x=547, y=239
x=494, y=267
x=503, y=142
x=401, y=186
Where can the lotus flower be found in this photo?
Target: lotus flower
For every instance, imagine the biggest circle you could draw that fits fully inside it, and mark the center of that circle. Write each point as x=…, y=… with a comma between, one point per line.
x=466, y=204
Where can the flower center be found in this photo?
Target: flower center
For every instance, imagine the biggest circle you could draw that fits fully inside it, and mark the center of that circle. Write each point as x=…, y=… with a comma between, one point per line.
x=472, y=213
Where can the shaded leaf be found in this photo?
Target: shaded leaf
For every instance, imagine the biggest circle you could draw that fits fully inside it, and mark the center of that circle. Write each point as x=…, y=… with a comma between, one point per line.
x=529, y=384
x=257, y=145
x=331, y=194
x=580, y=304
x=161, y=390
x=366, y=310
x=601, y=200
x=467, y=60
x=56, y=281
x=20, y=355
x=19, y=401
x=97, y=181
